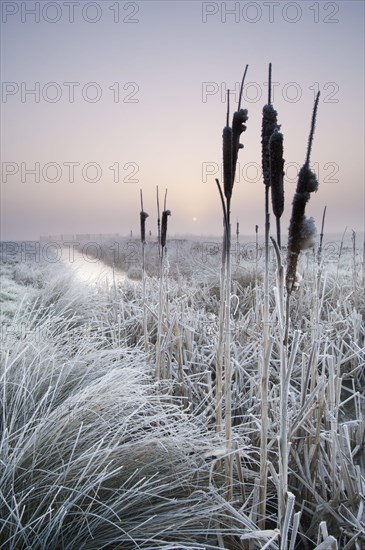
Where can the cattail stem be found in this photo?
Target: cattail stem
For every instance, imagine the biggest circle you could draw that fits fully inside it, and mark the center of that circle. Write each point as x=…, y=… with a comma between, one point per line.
x=340, y=253
x=227, y=116
x=227, y=347
x=241, y=88
x=266, y=274
x=160, y=353
x=141, y=196
x=224, y=347
x=143, y=217
x=228, y=370
x=219, y=360
x=354, y=277
x=145, y=327
x=159, y=343
x=319, y=256
x=158, y=223
x=264, y=372
x=363, y=262
x=284, y=384
x=278, y=232
x=269, y=124
x=225, y=219
x=313, y=124
x=231, y=146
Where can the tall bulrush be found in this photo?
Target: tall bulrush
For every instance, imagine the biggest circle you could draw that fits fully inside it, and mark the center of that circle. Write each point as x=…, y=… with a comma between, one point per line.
x=272, y=170
x=363, y=262
x=158, y=223
x=301, y=229
x=319, y=252
x=231, y=147
x=269, y=125
x=143, y=217
x=160, y=354
x=271, y=144
x=301, y=233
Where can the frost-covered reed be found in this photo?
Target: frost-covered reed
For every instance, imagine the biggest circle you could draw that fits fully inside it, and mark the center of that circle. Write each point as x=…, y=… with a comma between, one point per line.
x=231, y=145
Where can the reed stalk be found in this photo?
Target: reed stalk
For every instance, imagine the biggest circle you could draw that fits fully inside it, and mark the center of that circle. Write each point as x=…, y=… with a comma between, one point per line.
x=301, y=229
x=269, y=125
x=231, y=146
x=228, y=367
x=161, y=372
x=340, y=253
x=363, y=262
x=220, y=341
x=158, y=222
x=319, y=254
x=143, y=217
x=257, y=252
x=354, y=274
x=301, y=232
x=283, y=393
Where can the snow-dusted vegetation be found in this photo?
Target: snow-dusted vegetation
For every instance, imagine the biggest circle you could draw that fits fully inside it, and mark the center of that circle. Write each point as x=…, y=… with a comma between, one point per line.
x=98, y=453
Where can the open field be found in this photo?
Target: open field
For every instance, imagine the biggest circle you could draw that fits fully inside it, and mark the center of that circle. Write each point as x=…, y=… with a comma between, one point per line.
x=96, y=452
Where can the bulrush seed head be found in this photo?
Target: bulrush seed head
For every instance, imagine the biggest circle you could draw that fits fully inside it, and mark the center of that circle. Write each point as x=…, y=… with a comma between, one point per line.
x=165, y=214
x=143, y=217
x=269, y=125
x=301, y=229
x=227, y=162
x=307, y=180
x=277, y=172
x=231, y=142
x=238, y=126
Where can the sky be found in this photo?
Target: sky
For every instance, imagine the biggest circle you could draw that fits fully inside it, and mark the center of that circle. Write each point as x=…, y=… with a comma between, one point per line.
x=102, y=99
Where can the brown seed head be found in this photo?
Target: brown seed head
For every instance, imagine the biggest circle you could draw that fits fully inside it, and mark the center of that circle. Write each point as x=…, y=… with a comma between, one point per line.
x=269, y=124
x=277, y=172
x=143, y=217
x=165, y=214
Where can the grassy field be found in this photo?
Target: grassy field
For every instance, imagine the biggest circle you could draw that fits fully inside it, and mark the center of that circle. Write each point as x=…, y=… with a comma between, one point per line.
x=99, y=452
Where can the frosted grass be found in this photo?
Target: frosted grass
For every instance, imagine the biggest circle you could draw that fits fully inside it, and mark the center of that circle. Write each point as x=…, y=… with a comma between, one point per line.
x=93, y=455
x=96, y=454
